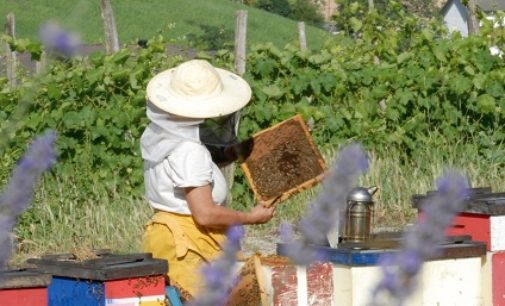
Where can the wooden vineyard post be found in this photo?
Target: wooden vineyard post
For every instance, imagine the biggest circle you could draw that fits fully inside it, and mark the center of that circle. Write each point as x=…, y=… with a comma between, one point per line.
x=240, y=41
x=301, y=36
x=11, y=59
x=109, y=24
x=240, y=65
x=41, y=64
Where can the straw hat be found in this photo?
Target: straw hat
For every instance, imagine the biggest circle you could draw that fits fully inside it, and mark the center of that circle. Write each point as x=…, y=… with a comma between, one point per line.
x=196, y=89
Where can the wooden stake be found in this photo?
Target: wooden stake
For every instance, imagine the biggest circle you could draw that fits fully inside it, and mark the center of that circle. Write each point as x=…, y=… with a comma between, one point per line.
x=370, y=5
x=11, y=58
x=109, y=25
x=41, y=64
x=240, y=41
x=10, y=26
x=301, y=36
x=240, y=66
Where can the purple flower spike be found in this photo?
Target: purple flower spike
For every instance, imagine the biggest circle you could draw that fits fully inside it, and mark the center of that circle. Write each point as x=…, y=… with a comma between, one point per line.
x=219, y=274
x=18, y=194
x=422, y=242
x=322, y=214
x=57, y=40
x=235, y=234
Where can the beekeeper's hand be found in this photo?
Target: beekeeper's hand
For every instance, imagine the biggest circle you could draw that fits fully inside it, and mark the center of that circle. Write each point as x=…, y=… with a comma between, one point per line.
x=261, y=214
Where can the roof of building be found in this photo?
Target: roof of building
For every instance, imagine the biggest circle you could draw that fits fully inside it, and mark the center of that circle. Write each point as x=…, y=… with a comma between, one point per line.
x=485, y=5
x=491, y=5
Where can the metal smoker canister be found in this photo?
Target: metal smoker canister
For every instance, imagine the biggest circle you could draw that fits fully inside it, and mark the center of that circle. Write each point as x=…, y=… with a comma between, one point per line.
x=359, y=214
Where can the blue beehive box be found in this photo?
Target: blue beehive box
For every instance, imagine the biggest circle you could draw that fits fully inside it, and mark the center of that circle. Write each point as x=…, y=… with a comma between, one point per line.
x=107, y=280
x=368, y=253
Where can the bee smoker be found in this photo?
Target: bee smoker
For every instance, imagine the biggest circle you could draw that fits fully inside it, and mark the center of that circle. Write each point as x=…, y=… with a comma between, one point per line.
x=359, y=214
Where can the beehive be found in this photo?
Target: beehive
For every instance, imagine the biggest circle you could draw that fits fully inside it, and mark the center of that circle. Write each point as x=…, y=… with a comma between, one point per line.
x=109, y=279
x=24, y=288
x=482, y=217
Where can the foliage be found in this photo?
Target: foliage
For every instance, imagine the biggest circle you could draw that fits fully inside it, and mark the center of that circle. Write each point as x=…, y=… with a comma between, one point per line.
x=390, y=83
x=395, y=83
x=212, y=38
x=423, y=8
x=352, y=14
x=299, y=10
x=420, y=8
x=97, y=106
x=305, y=10
x=279, y=7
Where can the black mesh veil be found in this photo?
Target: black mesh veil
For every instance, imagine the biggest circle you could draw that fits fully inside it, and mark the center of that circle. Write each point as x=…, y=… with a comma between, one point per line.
x=218, y=133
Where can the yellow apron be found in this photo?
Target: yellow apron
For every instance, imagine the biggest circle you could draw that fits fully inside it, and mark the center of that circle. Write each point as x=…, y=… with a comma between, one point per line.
x=184, y=244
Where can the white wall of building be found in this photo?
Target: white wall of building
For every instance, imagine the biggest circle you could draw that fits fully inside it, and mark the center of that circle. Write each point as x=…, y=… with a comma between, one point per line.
x=455, y=17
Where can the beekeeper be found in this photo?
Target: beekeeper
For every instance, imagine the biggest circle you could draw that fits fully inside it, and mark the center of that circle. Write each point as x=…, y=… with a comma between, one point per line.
x=191, y=108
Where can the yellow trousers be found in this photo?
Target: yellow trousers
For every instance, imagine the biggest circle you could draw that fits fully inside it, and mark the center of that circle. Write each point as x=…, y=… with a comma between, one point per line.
x=184, y=244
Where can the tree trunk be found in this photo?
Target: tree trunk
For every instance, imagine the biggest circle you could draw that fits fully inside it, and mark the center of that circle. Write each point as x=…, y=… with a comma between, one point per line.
x=472, y=21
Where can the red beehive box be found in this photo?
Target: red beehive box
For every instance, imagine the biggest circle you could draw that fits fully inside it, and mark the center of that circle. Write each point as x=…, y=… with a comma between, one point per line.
x=482, y=217
x=494, y=279
x=24, y=288
x=106, y=280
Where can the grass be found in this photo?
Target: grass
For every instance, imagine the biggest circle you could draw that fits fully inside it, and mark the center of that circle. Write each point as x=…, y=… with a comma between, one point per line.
x=61, y=221
x=140, y=19
x=66, y=224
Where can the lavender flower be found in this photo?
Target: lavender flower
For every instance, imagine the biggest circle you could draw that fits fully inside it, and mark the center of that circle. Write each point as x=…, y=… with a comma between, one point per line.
x=59, y=41
x=420, y=243
x=219, y=276
x=18, y=193
x=322, y=214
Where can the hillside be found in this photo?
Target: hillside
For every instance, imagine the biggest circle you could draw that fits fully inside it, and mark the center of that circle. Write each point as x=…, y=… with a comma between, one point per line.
x=140, y=19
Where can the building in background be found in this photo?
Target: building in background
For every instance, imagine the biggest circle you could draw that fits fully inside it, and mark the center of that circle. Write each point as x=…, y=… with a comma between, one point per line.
x=328, y=8
x=455, y=14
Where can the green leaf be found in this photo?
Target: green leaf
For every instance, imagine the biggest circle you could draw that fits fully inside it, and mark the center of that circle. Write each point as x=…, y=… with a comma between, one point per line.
x=439, y=54
x=486, y=103
x=265, y=67
x=469, y=70
x=272, y=91
x=121, y=56
x=316, y=86
x=460, y=84
x=403, y=57
x=54, y=91
x=94, y=75
x=427, y=34
x=356, y=25
x=71, y=120
x=298, y=85
x=479, y=81
x=35, y=50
